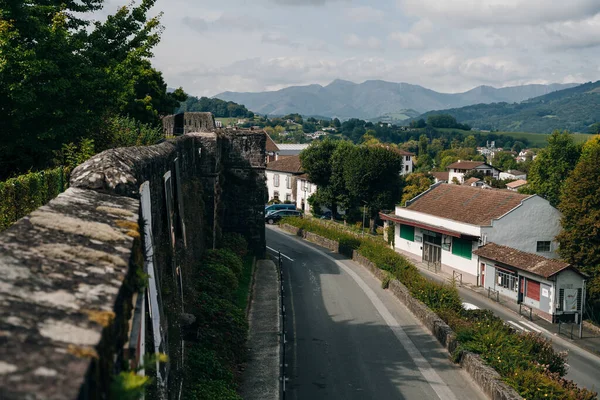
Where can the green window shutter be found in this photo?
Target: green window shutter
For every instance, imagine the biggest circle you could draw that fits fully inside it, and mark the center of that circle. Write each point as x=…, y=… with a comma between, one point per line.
x=407, y=232
x=462, y=248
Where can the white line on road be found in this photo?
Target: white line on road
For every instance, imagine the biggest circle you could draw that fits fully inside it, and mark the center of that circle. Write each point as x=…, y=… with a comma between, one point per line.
x=430, y=375
x=277, y=251
x=518, y=326
x=532, y=326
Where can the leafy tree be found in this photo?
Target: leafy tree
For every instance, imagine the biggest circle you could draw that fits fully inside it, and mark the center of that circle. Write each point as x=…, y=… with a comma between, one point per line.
x=219, y=108
x=470, y=142
x=552, y=166
x=595, y=128
x=423, y=143
x=518, y=146
x=418, y=124
x=416, y=184
x=504, y=161
x=336, y=123
x=580, y=206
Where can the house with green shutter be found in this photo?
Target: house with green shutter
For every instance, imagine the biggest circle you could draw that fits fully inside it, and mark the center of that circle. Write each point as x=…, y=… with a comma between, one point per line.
x=446, y=224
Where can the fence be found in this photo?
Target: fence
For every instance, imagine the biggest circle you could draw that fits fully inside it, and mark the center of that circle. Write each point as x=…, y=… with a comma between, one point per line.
x=23, y=194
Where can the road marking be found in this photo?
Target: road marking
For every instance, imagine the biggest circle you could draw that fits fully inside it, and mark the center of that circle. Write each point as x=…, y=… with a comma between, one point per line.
x=518, y=326
x=277, y=251
x=532, y=326
x=431, y=376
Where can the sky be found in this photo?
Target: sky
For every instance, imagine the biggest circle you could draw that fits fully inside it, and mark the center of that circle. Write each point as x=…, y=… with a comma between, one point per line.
x=209, y=47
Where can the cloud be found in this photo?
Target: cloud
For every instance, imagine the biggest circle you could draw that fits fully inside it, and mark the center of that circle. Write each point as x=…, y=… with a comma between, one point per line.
x=305, y=2
x=363, y=14
x=574, y=34
x=226, y=21
x=407, y=40
x=278, y=38
x=368, y=43
x=500, y=12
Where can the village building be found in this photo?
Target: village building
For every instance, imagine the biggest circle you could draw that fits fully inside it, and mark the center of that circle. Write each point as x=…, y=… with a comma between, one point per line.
x=516, y=185
x=460, y=168
x=440, y=176
x=513, y=174
x=446, y=224
x=407, y=161
x=304, y=189
x=551, y=289
x=282, y=175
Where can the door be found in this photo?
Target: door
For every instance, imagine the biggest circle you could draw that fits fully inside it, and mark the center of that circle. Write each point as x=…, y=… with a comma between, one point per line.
x=432, y=252
x=533, y=290
x=482, y=275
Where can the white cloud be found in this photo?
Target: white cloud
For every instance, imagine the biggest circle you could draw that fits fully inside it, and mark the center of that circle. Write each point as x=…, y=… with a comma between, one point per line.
x=497, y=12
x=407, y=40
x=356, y=42
x=575, y=34
x=363, y=14
x=226, y=21
x=278, y=38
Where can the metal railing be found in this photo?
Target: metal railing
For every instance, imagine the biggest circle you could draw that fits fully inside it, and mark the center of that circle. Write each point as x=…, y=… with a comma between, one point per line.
x=283, y=341
x=495, y=293
x=521, y=305
x=457, y=276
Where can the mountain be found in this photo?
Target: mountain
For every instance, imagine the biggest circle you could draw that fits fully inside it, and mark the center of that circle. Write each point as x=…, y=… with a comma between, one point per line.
x=374, y=98
x=574, y=109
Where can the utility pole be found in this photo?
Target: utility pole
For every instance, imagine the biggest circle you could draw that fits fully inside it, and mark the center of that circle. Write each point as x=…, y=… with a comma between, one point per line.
x=581, y=311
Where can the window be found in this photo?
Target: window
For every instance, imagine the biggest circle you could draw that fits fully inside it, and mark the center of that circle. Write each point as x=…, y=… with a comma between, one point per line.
x=309, y=187
x=276, y=195
x=507, y=280
x=276, y=180
x=406, y=166
x=462, y=248
x=407, y=158
x=288, y=197
x=543, y=247
x=288, y=182
x=407, y=232
x=302, y=185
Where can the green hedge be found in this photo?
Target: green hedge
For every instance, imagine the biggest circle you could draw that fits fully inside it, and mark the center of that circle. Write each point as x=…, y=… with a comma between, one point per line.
x=526, y=362
x=23, y=194
x=218, y=346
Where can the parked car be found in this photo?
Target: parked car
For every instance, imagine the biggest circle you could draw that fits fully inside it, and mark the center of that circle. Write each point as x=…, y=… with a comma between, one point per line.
x=326, y=215
x=276, y=216
x=277, y=207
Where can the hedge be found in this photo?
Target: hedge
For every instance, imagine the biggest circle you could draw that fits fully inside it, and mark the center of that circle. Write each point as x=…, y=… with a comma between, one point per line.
x=23, y=194
x=527, y=362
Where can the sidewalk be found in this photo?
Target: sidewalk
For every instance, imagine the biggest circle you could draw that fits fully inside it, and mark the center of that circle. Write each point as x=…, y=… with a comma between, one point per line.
x=589, y=342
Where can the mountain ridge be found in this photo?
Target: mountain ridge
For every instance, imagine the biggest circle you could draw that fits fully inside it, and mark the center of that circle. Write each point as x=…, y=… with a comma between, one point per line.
x=373, y=98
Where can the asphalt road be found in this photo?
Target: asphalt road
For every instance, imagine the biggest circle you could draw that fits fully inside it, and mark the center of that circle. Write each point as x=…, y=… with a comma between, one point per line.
x=349, y=339
x=584, y=367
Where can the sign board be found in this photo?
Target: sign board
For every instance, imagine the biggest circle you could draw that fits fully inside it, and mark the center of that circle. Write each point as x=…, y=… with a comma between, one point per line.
x=545, y=292
x=570, y=300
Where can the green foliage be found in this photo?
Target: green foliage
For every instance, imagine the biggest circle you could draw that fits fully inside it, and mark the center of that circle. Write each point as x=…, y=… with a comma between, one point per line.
x=580, y=207
x=416, y=184
x=225, y=257
x=128, y=385
x=552, y=165
x=25, y=193
x=73, y=154
x=219, y=108
x=236, y=243
x=217, y=279
x=445, y=121
x=504, y=161
x=126, y=132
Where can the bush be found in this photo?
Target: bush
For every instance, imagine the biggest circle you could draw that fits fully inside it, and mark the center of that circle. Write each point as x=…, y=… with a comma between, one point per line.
x=25, y=193
x=217, y=279
x=236, y=243
x=225, y=257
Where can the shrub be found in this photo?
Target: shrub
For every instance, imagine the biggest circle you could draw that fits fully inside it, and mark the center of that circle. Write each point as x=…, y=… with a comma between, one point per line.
x=225, y=257
x=217, y=279
x=236, y=243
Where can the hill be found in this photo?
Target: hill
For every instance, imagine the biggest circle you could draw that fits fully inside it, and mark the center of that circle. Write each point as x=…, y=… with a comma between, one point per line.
x=374, y=98
x=574, y=109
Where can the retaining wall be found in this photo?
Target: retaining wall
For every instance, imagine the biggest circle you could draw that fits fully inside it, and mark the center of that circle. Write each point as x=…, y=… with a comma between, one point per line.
x=97, y=278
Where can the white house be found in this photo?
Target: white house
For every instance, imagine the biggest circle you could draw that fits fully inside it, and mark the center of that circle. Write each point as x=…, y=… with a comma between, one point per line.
x=445, y=224
x=440, y=176
x=513, y=174
x=516, y=185
x=460, y=168
x=407, y=161
x=551, y=288
x=281, y=178
x=304, y=189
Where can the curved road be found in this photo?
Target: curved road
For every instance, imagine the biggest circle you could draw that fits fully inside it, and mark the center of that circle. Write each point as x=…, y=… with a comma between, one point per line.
x=349, y=339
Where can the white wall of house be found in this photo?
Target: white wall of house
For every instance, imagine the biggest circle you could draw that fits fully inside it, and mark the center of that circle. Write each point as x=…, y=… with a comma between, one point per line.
x=415, y=247
x=408, y=165
x=534, y=220
x=280, y=184
x=460, y=173
x=461, y=264
x=304, y=189
x=473, y=230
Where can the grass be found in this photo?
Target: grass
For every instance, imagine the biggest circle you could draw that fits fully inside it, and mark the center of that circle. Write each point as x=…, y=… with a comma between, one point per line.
x=245, y=283
x=535, y=139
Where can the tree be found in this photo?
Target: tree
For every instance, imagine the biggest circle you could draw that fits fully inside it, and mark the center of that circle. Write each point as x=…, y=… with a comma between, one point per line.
x=336, y=123
x=470, y=142
x=580, y=206
x=416, y=184
x=518, y=146
x=423, y=143
x=504, y=161
x=552, y=166
x=595, y=128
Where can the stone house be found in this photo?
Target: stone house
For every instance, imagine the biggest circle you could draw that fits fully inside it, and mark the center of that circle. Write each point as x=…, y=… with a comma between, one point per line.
x=446, y=224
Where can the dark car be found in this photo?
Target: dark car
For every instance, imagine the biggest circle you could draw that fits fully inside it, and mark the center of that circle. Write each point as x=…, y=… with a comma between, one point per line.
x=275, y=217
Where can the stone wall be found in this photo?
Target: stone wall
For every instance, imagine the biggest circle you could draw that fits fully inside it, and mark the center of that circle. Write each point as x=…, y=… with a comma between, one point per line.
x=98, y=277
x=189, y=122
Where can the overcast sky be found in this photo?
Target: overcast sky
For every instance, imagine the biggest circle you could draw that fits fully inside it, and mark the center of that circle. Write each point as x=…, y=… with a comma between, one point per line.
x=447, y=45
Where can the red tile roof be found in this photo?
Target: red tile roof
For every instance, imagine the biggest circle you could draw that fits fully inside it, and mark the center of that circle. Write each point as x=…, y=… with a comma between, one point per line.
x=529, y=262
x=465, y=164
x=467, y=204
x=289, y=164
x=441, y=176
x=516, y=184
x=469, y=181
x=271, y=146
